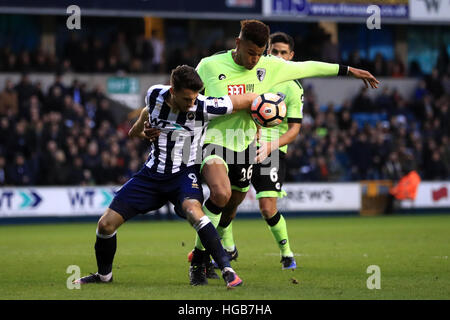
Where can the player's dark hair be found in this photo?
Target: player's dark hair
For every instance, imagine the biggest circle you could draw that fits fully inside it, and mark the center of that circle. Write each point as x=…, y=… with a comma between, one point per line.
x=255, y=31
x=185, y=77
x=283, y=38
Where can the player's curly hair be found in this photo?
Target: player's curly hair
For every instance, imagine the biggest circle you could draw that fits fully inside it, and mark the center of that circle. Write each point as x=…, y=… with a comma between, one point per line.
x=283, y=38
x=255, y=31
x=185, y=77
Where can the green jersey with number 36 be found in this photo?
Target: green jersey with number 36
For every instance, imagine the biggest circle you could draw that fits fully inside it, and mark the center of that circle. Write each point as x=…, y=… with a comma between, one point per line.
x=222, y=76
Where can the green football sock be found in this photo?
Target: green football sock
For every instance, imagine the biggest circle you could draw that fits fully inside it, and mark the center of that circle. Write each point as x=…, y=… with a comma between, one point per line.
x=277, y=225
x=215, y=219
x=226, y=233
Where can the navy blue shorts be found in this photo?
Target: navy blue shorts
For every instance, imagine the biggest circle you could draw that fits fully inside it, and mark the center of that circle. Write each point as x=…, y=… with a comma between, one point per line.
x=146, y=192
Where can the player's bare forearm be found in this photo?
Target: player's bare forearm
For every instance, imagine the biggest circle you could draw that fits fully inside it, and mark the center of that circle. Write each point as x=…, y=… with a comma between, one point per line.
x=323, y=69
x=290, y=135
x=137, y=130
x=242, y=101
x=365, y=76
x=266, y=147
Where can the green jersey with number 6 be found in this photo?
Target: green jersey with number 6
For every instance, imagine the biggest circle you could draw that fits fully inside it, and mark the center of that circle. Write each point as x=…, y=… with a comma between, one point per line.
x=292, y=92
x=221, y=76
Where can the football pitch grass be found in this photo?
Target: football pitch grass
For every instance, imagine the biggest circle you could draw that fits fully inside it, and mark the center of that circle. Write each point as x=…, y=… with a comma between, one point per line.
x=332, y=254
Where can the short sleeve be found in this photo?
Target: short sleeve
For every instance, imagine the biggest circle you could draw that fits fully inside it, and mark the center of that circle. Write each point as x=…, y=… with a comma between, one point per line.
x=214, y=107
x=294, y=101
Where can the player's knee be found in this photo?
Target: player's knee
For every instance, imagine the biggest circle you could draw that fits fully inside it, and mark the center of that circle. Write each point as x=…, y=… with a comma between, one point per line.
x=105, y=227
x=193, y=211
x=267, y=210
x=220, y=196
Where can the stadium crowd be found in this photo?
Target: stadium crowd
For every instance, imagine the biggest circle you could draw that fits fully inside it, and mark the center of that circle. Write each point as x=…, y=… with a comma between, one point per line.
x=69, y=136
x=134, y=53
x=372, y=139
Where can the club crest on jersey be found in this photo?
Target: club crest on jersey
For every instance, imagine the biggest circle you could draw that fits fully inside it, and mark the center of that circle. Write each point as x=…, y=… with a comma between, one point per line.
x=222, y=76
x=190, y=115
x=282, y=95
x=260, y=73
x=235, y=89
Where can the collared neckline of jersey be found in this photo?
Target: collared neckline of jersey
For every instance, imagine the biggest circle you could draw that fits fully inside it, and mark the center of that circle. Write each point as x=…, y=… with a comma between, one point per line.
x=237, y=66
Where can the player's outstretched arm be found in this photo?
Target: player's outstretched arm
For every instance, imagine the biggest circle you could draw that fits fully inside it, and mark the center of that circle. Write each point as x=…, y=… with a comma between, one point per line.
x=242, y=101
x=137, y=130
x=365, y=76
x=289, y=70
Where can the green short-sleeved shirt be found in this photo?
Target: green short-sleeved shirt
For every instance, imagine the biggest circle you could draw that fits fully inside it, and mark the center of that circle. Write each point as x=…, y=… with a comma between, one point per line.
x=293, y=93
x=222, y=76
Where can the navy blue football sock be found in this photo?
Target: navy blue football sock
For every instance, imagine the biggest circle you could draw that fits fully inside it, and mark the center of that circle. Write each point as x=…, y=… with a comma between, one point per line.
x=105, y=249
x=211, y=241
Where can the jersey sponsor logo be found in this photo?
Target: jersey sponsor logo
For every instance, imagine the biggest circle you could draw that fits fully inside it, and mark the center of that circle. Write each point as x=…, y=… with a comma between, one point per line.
x=190, y=115
x=282, y=95
x=222, y=76
x=159, y=123
x=260, y=73
x=235, y=89
x=193, y=177
x=250, y=87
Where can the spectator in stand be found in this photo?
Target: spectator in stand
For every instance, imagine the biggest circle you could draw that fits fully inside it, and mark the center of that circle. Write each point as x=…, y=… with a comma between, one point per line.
x=384, y=101
x=3, y=178
x=120, y=49
x=143, y=52
x=60, y=171
x=398, y=68
x=158, y=53
x=92, y=158
x=356, y=61
x=81, y=61
x=434, y=84
x=40, y=62
x=446, y=83
x=445, y=152
x=436, y=169
x=98, y=52
x=9, y=102
x=11, y=63
x=392, y=169
x=24, y=90
x=20, y=173
x=103, y=113
x=443, y=61
x=363, y=103
x=361, y=157
x=76, y=175
x=379, y=65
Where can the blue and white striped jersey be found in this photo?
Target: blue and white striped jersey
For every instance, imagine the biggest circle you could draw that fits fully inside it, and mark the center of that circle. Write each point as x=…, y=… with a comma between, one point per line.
x=182, y=133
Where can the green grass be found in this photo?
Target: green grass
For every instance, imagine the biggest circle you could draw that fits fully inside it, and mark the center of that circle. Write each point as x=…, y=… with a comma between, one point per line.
x=332, y=253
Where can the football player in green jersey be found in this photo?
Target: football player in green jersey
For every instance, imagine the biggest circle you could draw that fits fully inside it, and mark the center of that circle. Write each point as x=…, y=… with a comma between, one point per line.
x=227, y=160
x=270, y=169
